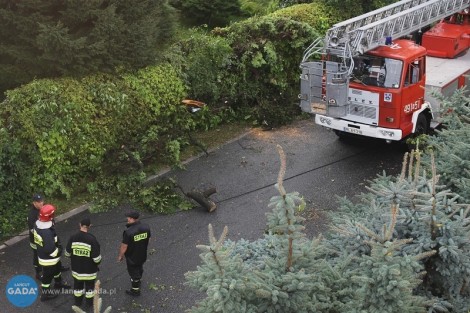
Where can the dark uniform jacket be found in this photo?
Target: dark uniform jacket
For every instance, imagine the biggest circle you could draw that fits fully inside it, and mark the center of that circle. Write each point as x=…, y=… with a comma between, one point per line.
x=136, y=236
x=84, y=252
x=32, y=218
x=47, y=243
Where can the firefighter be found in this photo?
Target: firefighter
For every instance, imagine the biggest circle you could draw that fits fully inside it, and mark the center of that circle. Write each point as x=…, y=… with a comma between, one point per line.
x=134, y=245
x=38, y=202
x=48, y=249
x=84, y=252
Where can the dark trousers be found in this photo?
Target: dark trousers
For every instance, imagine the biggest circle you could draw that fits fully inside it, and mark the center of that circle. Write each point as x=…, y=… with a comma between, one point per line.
x=37, y=267
x=135, y=271
x=50, y=273
x=83, y=287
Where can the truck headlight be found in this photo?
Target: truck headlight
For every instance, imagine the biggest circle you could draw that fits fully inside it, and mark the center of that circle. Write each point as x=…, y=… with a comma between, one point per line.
x=325, y=120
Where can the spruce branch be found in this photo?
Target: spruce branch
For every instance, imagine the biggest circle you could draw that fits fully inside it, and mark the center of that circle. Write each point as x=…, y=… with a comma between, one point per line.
x=282, y=171
x=342, y=231
x=393, y=221
x=369, y=232
x=410, y=167
x=403, y=167
x=417, y=166
x=216, y=244
x=221, y=239
x=212, y=239
x=433, y=199
x=425, y=255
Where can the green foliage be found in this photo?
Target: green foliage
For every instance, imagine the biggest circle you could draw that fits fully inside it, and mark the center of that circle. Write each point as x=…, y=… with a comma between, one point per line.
x=161, y=198
x=318, y=15
x=131, y=188
x=158, y=113
x=267, y=51
x=214, y=13
x=73, y=38
x=203, y=60
x=353, y=8
x=259, y=7
x=452, y=143
x=15, y=182
x=58, y=135
x=54, y=121
x=428, y=215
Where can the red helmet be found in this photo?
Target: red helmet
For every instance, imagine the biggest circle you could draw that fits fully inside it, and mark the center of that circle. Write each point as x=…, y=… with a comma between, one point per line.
x=46, y=213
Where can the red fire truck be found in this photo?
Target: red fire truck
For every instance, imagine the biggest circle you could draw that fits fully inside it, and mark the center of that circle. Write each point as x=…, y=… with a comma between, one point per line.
x=366, y=77
x=450, y=37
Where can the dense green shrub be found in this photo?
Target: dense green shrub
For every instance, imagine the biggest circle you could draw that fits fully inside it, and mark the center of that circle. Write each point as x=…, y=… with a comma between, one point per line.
x=316, y=14
x=253, y=63
x=203, y=61
x=351, y=8
x=15, y=182
x=214, y=13
x=267, y=52
x=69, y=126
x=258, y=7
x=157, y=112
x=58, y=135
x=452, y=144
x=54, y=119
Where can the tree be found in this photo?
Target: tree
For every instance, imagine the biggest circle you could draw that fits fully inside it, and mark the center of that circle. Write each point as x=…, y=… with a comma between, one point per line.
x=403, y=248
x=452, y=143
x=352, y=8
x=213, y=13
x=49, y=38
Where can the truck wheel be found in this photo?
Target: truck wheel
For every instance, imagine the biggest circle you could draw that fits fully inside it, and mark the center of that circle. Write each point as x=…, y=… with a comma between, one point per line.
x=341, y=135
x=422, y=127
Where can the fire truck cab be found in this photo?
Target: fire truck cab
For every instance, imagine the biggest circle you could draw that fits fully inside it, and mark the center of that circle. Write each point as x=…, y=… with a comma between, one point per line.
x=366, y=79
x=385, y=90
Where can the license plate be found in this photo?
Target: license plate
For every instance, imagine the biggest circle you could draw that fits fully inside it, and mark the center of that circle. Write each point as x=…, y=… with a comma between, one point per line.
x=353, y=130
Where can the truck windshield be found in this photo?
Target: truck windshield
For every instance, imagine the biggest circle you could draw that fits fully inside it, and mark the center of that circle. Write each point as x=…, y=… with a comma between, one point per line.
x=376, y=71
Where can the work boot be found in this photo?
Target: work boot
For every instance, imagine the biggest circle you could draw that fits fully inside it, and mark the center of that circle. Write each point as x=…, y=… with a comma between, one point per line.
x=133, y=292
x=78, y=301
x=88, y=303
x=61, y=285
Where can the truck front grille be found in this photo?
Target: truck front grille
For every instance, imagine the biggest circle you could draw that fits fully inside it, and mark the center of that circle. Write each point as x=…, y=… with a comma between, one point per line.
x=364, y=111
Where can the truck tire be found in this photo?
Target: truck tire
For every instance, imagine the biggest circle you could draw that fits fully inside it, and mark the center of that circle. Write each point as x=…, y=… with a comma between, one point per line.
x=339, y=133
x=422, y=128
x=422, y=125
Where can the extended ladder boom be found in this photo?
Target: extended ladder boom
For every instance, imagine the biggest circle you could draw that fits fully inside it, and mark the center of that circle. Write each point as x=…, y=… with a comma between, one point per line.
x=401, y=24
x=339, y=32
x=368, y=31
